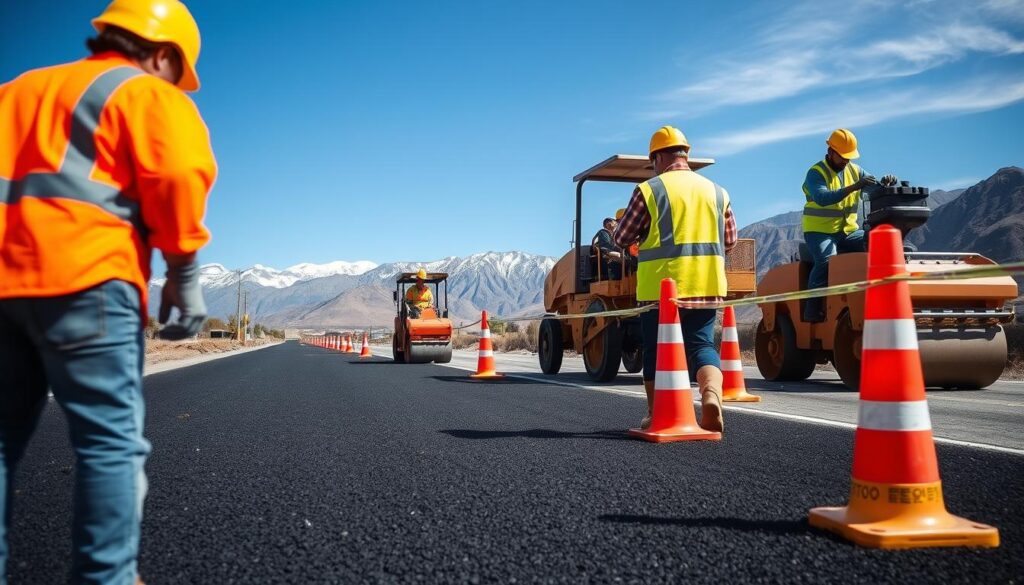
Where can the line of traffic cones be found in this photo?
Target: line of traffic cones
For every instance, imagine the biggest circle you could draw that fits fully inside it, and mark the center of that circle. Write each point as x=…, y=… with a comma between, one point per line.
x=485, y=368
x=895, y=491
x=672, y=414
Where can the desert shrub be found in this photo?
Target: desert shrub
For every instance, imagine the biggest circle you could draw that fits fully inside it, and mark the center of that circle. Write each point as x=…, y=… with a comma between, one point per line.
x=515, y=342
x=463, y=340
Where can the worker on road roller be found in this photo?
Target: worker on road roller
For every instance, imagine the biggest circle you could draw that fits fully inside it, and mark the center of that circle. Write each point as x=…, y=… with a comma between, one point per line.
x=687, y=244
x=419, y=297
x=611, y=255
x=832, y=192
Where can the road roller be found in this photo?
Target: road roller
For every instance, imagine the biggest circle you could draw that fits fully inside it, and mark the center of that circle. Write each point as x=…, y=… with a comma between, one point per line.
x=427, y=338
x=579, y=283
x=959, y=322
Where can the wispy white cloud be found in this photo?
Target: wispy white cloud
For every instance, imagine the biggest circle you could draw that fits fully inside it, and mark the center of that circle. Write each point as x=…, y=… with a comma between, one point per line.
x=793, y=60
x=976, y=95
x=957, y=183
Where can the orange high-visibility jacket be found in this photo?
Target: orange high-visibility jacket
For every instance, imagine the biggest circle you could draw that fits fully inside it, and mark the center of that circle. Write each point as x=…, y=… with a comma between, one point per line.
x=99, y=163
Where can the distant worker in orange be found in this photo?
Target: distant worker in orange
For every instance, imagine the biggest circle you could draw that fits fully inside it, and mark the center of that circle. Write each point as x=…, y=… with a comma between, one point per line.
x=419, y=297
x=101, y=161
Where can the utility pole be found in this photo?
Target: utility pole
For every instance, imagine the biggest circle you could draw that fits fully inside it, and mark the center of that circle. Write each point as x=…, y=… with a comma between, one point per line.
x=245, y=315
x=238, y=308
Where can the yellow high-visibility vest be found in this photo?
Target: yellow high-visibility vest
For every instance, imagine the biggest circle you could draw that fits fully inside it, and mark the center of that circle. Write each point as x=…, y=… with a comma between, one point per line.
x=420, y=298
x=841, y=216
x=686, y=241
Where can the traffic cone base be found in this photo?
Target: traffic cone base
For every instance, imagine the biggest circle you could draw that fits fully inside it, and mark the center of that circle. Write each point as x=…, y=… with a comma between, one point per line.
x=740, y=395
x=487, y=376
x=895, y=516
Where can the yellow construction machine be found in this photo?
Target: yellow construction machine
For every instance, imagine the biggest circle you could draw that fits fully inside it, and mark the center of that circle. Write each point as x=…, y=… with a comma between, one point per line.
x=959, y=322
x=579, y=283
x=427, y=338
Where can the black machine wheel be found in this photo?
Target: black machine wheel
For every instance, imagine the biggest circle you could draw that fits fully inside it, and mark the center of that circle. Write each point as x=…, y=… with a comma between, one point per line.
x=603, y=354
x=549, y=346
x=778, y=357
x=632, y=352
x=846, y=352
x=396, y=351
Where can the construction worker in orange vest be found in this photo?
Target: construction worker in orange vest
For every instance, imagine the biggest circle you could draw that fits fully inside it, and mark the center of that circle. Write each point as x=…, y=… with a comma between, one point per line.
x=101, y=161
x=419, y=297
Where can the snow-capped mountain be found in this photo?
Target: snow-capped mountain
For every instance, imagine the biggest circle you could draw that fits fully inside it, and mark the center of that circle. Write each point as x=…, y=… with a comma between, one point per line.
x=218, y=276
x=356, y=293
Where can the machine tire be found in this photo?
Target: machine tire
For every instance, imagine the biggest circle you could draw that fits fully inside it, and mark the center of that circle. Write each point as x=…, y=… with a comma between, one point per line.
x=778, y=357
x=396, y=353
x=846, y=352
x=604, y=353
x=549, y=346
x=632, y=353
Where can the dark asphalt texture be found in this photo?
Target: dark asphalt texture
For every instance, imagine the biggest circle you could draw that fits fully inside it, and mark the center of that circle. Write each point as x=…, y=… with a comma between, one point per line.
x=297, y=465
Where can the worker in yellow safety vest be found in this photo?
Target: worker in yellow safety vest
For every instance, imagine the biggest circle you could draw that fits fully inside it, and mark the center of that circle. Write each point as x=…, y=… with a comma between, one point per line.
x=832, y=191
x=419, y=297
x=684, y=225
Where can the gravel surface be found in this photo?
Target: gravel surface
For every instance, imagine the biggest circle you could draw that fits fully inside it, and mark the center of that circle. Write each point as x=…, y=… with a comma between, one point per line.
x=299, y=465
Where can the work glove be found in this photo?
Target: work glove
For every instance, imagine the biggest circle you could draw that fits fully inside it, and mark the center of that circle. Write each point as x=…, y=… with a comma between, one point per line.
x=867, y=181
x=890, y=180
x=182, y=290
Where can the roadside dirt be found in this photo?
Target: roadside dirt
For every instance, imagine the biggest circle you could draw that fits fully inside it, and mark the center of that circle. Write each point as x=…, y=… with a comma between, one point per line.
x=159, y=351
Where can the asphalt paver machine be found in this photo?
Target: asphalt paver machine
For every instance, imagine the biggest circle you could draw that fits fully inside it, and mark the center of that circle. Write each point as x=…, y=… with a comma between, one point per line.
x=579, y=283
x=959, y=322
x=427, y=338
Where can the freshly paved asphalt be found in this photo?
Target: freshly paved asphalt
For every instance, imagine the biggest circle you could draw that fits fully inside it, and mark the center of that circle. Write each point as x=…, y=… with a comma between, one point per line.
x=298, y=465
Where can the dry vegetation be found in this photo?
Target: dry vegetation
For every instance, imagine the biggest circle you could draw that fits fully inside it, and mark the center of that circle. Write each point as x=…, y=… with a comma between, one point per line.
x=158, y=351
x=520, y=337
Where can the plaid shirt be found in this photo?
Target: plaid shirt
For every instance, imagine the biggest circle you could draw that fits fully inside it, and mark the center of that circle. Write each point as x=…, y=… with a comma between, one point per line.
x=636, y=223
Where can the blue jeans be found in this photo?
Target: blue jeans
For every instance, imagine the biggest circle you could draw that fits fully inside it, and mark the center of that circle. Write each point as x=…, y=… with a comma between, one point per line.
x=698, y=337
x=87, y=348
x=823, y=247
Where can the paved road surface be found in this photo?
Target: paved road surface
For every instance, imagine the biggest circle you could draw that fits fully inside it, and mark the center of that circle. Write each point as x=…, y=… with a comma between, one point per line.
x=299, y=465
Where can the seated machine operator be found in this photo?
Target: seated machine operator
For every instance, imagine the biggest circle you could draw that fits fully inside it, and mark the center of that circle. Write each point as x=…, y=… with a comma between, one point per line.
x=419, y=297
x=611, y=255
x=832, y=190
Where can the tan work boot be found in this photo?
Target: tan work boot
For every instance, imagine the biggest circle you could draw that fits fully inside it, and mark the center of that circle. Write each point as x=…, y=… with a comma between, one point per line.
x=649, y=390
x=709, y=380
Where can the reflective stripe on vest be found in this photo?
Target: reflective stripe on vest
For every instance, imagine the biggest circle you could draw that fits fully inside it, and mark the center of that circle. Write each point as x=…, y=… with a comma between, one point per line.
x=72, y=180
x=840, y=216
x=680, y=208
x=667, y=246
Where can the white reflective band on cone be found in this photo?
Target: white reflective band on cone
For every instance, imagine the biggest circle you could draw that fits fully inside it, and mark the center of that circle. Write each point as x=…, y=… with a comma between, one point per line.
x=732, y=365
x=486, y=353
x=486, y=333
x=889, y=334
x=670, y=333
x=729, y=334
x=894, y=416
x=672, y=380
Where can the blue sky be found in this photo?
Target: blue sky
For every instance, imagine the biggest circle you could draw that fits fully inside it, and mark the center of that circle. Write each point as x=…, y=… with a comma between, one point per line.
x=417, y=130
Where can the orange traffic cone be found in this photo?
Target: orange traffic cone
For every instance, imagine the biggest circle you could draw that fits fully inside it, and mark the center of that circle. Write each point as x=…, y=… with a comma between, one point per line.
x=672, y=417
x=365, y=351
x=485, y=360
x=734, y=389
x=349, y=348
x=895, y=491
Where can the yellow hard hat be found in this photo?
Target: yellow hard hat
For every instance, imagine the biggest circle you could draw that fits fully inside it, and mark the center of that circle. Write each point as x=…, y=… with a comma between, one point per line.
x=159, y=21
x=844, y=143
x=620, y=213
x=421, y=274
x=668, y=137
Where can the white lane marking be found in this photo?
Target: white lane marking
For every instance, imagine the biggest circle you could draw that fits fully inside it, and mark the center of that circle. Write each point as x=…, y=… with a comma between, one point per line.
x=769, y=413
